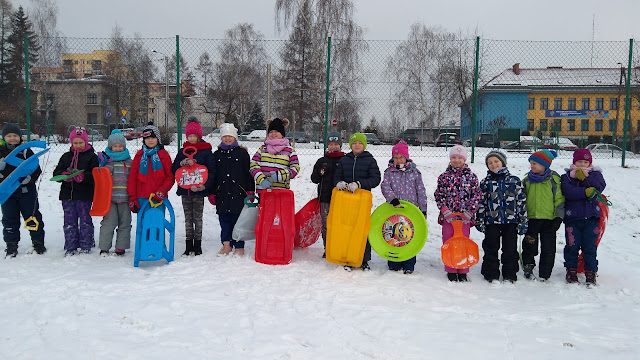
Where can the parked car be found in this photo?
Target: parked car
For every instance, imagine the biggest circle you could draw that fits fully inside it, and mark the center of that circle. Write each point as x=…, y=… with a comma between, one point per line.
x=410, y=136
x=33, y=136
x=526, y=144
x=257, y=135
x=243, y=136
x=560, y=143
x=601, y=150
x=131, y=134
x=487, y=140
x=95, y=135
x=372, y=139
x=301, y=137
x=448, y=139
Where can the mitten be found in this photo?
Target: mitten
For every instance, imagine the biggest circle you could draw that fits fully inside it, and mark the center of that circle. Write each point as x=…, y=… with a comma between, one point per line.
x=158, y=196
x=197, y=188
x=26, y=180
x=67, y=179
x=78, y=178
x=395, y=203
x=186, y=162
x=2, y=164
x=134, y=205
x=556, y=223
x=591, y=192
x=580, y=175
x=467, y=216
x=265, y=184
x=341, y=185
x=353, y=186
x=447, y=214
x=103, y=159
x=212, y=199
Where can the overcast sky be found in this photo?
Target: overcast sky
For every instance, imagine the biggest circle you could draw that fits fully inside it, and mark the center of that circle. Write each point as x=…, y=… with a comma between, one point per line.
x=381, y=19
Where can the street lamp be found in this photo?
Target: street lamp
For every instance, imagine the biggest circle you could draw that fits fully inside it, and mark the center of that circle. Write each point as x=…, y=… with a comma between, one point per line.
x=166, y=87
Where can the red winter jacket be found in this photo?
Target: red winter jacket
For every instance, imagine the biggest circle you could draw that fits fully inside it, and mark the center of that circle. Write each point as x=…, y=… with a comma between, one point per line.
x=141, y=186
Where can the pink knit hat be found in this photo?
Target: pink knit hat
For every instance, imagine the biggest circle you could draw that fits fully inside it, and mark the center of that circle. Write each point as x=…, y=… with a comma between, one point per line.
x=402, y=149
x=193, y=127
x=458, y=150
x=79, y=132
x=582, y=154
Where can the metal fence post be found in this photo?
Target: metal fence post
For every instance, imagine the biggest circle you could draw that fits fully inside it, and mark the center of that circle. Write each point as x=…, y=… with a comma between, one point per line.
x=178, y=120
x=26, y=85
x=627, y=102
x=475, y=101
x=326, y=97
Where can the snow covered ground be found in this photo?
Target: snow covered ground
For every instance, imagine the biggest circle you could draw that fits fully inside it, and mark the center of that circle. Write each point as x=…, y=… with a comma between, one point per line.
x=89, y=307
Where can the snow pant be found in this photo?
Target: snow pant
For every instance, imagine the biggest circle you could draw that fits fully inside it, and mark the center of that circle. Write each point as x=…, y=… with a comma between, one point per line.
x=324, y=213
x=581, y=235
x=367, y=252
x=23, y=202
x=119, y=216
x=193, y=208
x=403, y=265
x=227, y=222
x=547, y=238
x=78, y=226
x=491, y=244
x=447, y=233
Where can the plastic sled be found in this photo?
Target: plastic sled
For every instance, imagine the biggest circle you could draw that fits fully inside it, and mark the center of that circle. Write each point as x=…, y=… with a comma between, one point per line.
x=603, y=203
x=66, y=176
x=275, y=229
x=348, y=225
x=23, y=168
x=194, y=175
x=459, y=252
x=398, y=234
x=102, y=191
x=150, y=233
x=308, y=224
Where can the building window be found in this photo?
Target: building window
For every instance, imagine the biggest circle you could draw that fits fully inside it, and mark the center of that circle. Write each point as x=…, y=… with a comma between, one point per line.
x=532, y=103
x=613, y=104
x=92, y=118
x=585, y=125
x=612, y=125
x=543, y=124
x=571, y=125
x=530, y=125
x=557, y=125
x=599, y=103
x=76, y=62
x=50, y=99
x=585, y=103
x=92, y=99
x=557, y=104
x=599, y=125
x=572, y=104
x=544, y=104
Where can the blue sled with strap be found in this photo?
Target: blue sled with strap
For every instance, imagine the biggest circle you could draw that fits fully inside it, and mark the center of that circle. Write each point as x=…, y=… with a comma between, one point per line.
x=23, y=169
x=150, y=232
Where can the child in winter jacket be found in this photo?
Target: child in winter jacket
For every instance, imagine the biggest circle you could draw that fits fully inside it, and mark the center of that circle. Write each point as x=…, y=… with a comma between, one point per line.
x=502, y=213
x=193, y=198
x=581, y=184
x=457, y=192
x=358, y=170
x=323, y=172
x=545, y=209
x=117, y=159
x=403, y=181
x=276, y=162
x=150, y=175
x=76, y=192
x=232, y=184
x=24, y=199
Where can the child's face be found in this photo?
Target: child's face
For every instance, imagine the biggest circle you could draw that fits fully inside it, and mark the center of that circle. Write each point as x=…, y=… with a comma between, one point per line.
x=494, y=164
x=193, y=138
x=537, y=168
x=117, y=147
x=457, y=161
x=582, y=163
x=399, y=159
x=275, y=134
x=228, y=139
x=357, y=147
x=333, y=146
x=150, y=142
x=13, y=139
x=78, y=144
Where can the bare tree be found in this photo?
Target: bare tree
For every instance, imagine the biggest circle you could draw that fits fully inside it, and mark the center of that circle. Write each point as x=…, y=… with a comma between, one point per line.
x=205, y=70
x=44, y=16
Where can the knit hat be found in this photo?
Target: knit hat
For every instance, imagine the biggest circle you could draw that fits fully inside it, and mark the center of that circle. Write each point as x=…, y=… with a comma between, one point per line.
x=79, y=132
x=116, y=137
x=11, y=128
x=278, y=125
x=151, y=131
x=227, y=129
x=334, y=137
x=499, y=155
x=580, y=154
x=193, y=127
x=402, y=149
x=458, y=150
x=358, y=137
x=543, y=157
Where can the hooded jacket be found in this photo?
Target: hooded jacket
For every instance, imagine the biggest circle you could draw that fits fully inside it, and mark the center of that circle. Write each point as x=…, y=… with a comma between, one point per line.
x=577, y=205
x=362, y=168
x=503, y=201
x=404, y=185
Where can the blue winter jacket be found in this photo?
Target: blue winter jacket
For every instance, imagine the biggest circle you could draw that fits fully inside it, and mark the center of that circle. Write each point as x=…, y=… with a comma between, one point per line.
x=362, y=168
x=577, y=206
x=504, y=201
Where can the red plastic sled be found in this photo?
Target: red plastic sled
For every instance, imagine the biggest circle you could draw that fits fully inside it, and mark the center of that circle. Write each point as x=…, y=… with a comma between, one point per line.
x=459, y=252
x=602, y=224
x=275, y=229
x=101, y=192
x=194, y=175
x=308, y=224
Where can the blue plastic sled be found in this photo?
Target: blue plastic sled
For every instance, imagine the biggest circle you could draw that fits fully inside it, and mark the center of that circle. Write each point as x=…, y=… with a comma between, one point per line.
x=150, y=233
x=23, y=169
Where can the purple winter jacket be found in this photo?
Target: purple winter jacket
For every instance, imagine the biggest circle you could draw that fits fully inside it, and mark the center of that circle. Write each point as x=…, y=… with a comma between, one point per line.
x=404, y=185
x=577, y=206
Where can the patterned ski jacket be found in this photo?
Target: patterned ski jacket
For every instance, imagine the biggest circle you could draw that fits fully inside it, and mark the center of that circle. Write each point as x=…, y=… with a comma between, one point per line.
x=544, y=198
x=120, y=174
x=457, y=190
x=362, y=168
x=578, y=206
x=404, y=185
x=503, y=201
x=284, y=163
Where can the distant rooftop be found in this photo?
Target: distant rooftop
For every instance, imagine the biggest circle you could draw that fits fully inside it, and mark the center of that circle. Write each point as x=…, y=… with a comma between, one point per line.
x=560, y=77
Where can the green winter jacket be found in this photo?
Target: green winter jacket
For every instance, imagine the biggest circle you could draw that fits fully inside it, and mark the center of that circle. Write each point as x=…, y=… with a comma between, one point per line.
x=544, y=199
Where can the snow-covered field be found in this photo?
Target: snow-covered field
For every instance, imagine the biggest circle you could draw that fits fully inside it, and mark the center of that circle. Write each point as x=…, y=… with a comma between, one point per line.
x=207, y=307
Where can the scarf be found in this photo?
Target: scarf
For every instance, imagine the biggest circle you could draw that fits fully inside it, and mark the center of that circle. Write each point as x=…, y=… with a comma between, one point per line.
x=275, y=146
x=200, y=145
x=118, y=156
x=224, y=146
x=536, y=178
x=573, y=168
x=156, y=164
x=402, y=167
x=76, y=155
x=334, y=154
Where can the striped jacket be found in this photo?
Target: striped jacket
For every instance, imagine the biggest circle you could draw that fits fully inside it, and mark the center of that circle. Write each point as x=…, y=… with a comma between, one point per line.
x=119, y=173
x=285, y=164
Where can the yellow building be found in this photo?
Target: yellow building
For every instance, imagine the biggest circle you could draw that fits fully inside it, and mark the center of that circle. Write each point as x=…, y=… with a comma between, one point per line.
x=84, y=65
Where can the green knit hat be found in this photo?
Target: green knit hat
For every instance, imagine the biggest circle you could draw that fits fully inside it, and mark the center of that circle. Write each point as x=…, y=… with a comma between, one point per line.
x=358, y=137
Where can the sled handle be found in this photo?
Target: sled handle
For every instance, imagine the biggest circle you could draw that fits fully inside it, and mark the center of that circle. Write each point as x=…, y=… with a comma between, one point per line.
x=34, y=227
x=249, y=200
x=457, y=224
x=184, y=151
x=151, y=203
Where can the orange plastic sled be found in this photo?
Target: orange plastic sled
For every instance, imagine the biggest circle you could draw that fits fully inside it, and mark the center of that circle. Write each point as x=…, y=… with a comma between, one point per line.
x=459, y=252
x=101, y=192
x=348, y=225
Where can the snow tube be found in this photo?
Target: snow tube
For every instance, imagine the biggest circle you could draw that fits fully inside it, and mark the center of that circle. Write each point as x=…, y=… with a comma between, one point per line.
x=275, y=229
x=308, y=224
x=102, y=191
x=459, y=252
x=348, y=225
x=398, y=234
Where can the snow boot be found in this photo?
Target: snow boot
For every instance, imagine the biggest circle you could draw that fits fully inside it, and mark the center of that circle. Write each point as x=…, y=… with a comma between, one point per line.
x=452, y=276
x=38, y=247
x=104, y=253
x=462, y=277
x=12, y=250
x=365, y=266
x=591, y=277
x=528, y=271
x=189, y=249
x=572, y=276
x=197, y=247
x=120, y=252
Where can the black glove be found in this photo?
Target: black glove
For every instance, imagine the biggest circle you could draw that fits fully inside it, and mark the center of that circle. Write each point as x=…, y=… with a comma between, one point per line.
x=556, y=223
x=395, y=203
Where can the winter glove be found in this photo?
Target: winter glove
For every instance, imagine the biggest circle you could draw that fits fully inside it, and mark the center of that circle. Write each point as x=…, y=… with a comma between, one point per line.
x=2, y=164
x=103, y=159
x=197, y=188
x=529, y=239
x=580, y=175
x=158, y=196
x=134, y=205
x=466, y=217
x=265, y=184
x=556, y=223
x=26, y=180
x=186, y=162
x=341, y=185
x=249, y=193
x=425, y=214
x=212, y=199
x=395, y=203
x=353, y=186
x=591, y=192
x=522, y=229
x=67, y=179
x=78, y=178
x=447, y=214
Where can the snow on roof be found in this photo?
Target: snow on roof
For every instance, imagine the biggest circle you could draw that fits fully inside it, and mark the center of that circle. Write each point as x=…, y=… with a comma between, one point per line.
x=561, y=77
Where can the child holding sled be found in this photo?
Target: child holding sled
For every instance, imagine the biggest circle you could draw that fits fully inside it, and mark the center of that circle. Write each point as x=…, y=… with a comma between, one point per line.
x=76, y=193
x=457, y=192
x=276, y=162
x=502, y=214
x=581, y=184
x=403, y=181
x=193, y=198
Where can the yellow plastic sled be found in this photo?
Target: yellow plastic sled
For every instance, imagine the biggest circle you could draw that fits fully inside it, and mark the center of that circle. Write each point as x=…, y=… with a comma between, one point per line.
x=348, y=225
